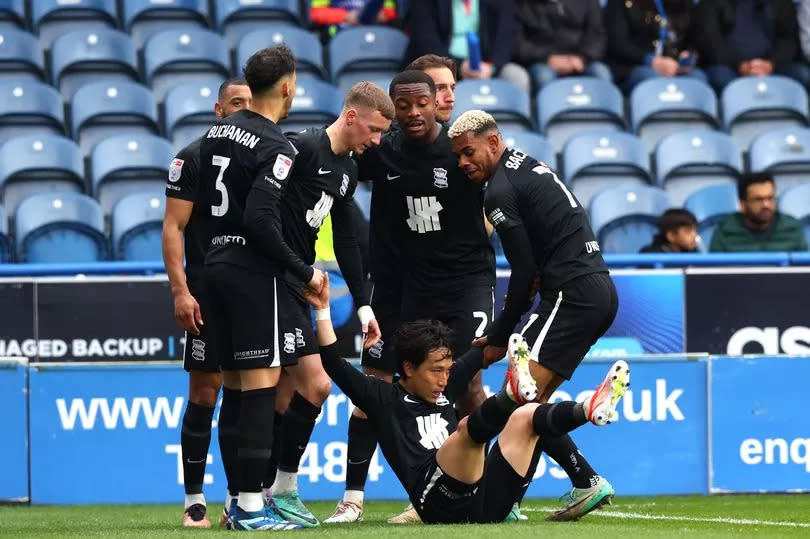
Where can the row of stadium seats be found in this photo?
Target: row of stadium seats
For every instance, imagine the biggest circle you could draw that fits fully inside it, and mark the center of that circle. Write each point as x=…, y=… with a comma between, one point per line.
x=566, y=107
x=126, y=160
x=69, y=227
x=141, y=18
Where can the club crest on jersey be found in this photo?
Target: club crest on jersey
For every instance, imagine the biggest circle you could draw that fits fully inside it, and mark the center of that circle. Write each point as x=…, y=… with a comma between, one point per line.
x=440, y=178
x=175, y=169
x=376, y=350
x=282, y=166
x=289, y=343
x=344, y=185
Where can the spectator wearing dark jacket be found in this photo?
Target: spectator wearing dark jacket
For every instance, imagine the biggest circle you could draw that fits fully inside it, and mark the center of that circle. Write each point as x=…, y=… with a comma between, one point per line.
x=440, y=27
x=649, y=38
x=748, y=38
x=557, y=38
x=677, y=233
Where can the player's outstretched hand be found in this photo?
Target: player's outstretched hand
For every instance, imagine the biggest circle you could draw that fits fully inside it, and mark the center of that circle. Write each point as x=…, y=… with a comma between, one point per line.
x=318, y=298
x=317, y=280
x=187, y=313
x=372, y=333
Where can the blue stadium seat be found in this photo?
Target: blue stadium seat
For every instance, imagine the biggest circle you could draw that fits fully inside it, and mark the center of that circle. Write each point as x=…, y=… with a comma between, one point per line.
x=689, y=160
x=12, y=14
x=236, y=18
x=126, y=164
x=785, y=153
x=573, y=105
x=507, y=103
x=532, y=144
x=189, y=110
x=100, y=110
x=21, y=57
x=795, y=201
x=595, y=161
x=137, y=224
x=40, y=162
x=5, y=241
x=173, y=57
x=51, y=18
x=661, y=106
x=83, y=56
x=143, y=18
x=377, y=51
x=753, y=105
x=60, y=228
x=306, y=47
x=350, y=79
x=625, y=218
x=316, y=103
x=28, y=107
x=710, y=205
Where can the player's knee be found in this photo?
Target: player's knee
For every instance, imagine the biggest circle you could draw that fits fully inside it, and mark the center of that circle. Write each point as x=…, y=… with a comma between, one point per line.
x=320, y=391
x=520, y=422
x=204, y=394
x=463, y=428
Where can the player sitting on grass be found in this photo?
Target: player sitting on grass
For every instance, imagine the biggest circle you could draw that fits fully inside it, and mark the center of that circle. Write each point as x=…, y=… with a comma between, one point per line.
x=443, y=463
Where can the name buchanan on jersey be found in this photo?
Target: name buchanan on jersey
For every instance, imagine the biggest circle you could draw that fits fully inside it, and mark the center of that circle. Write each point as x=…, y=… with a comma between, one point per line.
x=245, y=138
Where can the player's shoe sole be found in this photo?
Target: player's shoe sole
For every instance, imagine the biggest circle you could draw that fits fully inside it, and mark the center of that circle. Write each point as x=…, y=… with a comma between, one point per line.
x=195, y=517
x=601, y=408
x=581, y=501
x=290, y=507
x=520, y=386
x=345, y=513
x=408, y=516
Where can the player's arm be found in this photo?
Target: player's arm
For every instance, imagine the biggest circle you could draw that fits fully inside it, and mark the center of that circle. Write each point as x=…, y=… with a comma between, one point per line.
x=347, y=252
x=463, y=370
x=367, y=392
x=175, y=219
x=264, y=203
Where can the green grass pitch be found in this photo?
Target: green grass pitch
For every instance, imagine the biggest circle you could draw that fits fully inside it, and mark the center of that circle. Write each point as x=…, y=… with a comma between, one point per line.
x=716, y=516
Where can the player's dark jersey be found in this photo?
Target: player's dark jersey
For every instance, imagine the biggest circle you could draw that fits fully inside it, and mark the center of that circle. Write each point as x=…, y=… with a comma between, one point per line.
x=184, y=183
x=409, y=430
x=322, y=183
x=541, y=224
x=432, y=212
x=245, y=162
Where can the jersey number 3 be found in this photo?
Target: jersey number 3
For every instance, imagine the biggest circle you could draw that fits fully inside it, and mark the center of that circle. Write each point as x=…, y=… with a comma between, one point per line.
x=222, y=163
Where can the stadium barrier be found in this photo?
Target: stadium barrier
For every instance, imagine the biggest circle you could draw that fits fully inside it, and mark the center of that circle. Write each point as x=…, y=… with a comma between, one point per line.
x=102, y=433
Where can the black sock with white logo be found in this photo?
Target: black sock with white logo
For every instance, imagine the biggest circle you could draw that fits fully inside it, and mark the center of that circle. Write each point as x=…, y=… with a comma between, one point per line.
x=194, y=440
x=297, y=425
x=565, y=452
x=361, y=446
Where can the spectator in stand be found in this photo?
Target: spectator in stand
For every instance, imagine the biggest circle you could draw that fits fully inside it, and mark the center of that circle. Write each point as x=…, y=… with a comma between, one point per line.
x=336, y=14
x=677, y=233
x=441, y=26
x=748, y=38
x=758, y=227
x=557, y=38
x=649, y=38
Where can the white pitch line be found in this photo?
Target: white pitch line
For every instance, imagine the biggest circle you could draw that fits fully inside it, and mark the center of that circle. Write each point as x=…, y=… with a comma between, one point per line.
x=647, y=516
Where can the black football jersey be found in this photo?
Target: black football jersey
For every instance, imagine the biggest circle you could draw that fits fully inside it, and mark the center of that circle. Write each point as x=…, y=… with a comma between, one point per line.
x=525, y=192
x=409, y=430
x=433, y=215
x=319, y=182
x=184, y=183
x=245, y=163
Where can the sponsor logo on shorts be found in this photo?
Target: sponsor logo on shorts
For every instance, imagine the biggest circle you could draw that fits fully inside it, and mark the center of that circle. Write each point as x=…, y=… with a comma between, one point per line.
x=376, y=350
x=289, y=343
x=299, y=338
x=198, y=349
x=227, y=240
x=440, y=177
x=251, y=354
